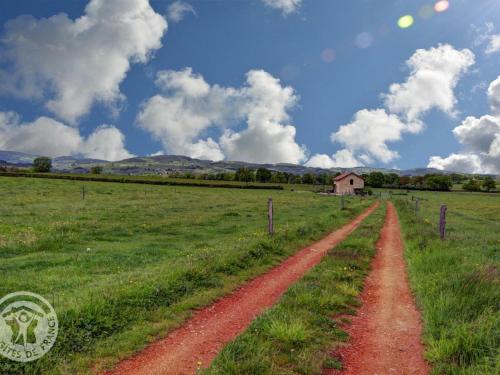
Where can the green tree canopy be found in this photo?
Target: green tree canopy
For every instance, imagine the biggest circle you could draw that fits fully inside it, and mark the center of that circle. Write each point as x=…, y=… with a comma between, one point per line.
x=489, y=183
x=472, y=185
x=42, y=164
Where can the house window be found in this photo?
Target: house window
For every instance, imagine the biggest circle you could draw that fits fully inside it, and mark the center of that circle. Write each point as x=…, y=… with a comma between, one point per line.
x=351, y=182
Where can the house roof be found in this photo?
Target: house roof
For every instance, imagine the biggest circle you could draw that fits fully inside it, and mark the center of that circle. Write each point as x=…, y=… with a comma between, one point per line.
x=344, y=175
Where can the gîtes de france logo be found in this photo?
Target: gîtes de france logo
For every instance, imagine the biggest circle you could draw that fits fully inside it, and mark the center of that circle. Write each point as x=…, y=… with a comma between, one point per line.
x=28, y=326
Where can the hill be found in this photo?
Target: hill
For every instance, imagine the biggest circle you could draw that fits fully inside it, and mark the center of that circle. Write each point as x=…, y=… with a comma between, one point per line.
x=164, y=165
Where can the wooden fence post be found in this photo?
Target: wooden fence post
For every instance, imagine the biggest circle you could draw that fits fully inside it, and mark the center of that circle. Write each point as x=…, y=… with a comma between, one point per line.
x=442, y=221
x=342, y=203
x=270, y=215
x=83, y=192
x=416, y=206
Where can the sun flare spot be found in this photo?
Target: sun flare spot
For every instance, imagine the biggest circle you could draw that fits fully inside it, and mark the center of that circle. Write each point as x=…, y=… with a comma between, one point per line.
x=441, y=6
x=406, y=21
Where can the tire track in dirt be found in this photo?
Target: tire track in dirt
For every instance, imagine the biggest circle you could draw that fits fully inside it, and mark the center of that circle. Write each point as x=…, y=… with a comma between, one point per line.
x=200, y=338
x=385, y=335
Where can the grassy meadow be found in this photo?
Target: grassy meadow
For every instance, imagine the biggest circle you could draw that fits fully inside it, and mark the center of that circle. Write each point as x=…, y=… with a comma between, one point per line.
x=457, y=280
x=129, y=262
x=297, y=335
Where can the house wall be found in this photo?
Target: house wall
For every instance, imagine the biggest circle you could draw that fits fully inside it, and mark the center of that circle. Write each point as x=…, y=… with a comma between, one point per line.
x=344, y=187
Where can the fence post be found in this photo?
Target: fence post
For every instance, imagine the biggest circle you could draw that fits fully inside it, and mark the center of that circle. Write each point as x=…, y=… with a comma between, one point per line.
x=270, y=215
x=416, y=206
x=442, y=221
x=342, y=203
x=83, y=192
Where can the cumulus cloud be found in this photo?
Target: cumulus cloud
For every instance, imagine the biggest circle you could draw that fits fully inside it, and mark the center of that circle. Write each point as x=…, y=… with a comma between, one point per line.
x=494, y=96
x=178, y=10
x=341, y=159
x=267, y=138
x=189, y=107
x=371, y=131
x=465, y=163
x=480, y=138
x=46, y=136
x=434, y=74
x=285, y=6
x=71, y=64
x=493, y=44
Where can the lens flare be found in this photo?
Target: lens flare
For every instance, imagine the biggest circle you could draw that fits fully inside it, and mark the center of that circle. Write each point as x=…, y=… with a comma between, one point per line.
x=328, y=55
x=364, y=40
x=441, y=6
x=405, y=21
x=426, y=12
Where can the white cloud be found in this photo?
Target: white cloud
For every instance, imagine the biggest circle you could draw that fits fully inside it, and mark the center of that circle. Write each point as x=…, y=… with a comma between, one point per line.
x=494, y=96
x=266, y=139
x=285, y=6
x=178, y=9
x=189, y=107
x=434, y=74
x=71, y=64
x=106, y=142
x=494, y=44
x=371, y=131
x=477, y=134
x=341, y=159
x=49, y=137
x=482, y=33
x=466, y=163
x=480, y=138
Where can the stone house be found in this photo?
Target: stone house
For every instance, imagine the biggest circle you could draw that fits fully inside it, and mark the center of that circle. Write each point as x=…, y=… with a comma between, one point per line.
x=348, y=184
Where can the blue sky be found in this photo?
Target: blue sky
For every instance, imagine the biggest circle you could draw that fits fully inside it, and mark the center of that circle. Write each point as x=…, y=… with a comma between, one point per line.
x=339, y=57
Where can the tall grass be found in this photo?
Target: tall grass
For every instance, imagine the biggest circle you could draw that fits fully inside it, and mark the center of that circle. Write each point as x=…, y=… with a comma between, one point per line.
x=297, y=335
x=130, y=262
x=456, y=281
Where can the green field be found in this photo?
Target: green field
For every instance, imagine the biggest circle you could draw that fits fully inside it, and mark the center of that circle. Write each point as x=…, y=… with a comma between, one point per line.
x=130, y=261
x=456, y=280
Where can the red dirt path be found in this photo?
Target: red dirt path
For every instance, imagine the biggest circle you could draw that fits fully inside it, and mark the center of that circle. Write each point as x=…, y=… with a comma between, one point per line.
x=203, y=335
x=386, y=332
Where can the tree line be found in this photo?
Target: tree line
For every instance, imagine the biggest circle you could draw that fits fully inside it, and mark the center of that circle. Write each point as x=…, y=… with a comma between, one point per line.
x=437, y=182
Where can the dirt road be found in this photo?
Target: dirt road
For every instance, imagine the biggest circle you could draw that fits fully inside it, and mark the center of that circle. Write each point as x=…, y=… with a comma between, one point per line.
x=386, y=332
x=197, y=342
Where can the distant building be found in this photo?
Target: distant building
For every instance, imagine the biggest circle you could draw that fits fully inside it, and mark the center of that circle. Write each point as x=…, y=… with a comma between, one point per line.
x=348, y=183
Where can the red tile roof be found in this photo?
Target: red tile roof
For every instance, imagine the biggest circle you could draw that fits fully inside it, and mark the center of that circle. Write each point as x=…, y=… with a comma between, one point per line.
x=344, y=175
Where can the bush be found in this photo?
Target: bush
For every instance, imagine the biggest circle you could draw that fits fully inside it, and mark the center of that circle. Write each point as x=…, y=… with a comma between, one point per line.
x=489, y=183
x=42, y=164
x=97, y=169
x=472, y=185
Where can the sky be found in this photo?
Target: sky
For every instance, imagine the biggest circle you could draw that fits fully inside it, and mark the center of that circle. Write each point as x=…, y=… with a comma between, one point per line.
x=393, y=83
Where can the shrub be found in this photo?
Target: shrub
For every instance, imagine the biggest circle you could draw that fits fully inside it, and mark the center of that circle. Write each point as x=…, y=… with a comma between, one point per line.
x=489, y=183
x=96, y=169
x=42, y=164
x=472, y=185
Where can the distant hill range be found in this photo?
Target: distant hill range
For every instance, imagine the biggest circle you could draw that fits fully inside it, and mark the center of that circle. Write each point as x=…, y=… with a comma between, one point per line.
x=164, y=165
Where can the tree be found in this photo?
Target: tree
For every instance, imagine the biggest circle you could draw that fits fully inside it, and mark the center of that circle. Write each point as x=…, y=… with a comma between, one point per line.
x=308, y=178
x=457, y=178
x=391, y=179
x=489, y=183
x=245, y=175
x=263, y=175
x=375, y=179
x=96, y=169
x=438, y=182
x=472, y=185
x=404, y=180
x=42, y=164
